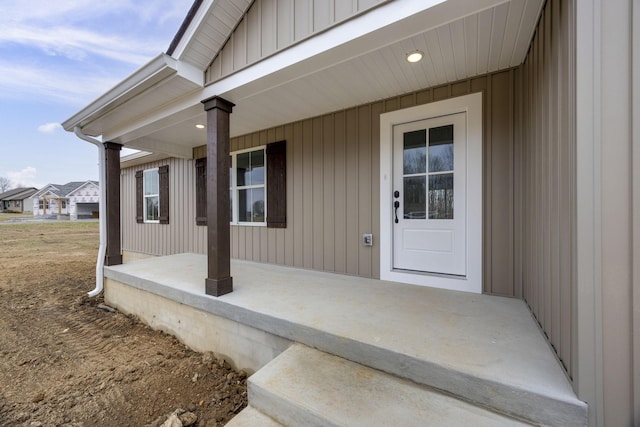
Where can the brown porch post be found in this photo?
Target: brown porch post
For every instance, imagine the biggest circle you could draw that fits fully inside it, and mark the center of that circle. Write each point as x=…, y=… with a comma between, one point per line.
x=219, y=280
x=112, y=187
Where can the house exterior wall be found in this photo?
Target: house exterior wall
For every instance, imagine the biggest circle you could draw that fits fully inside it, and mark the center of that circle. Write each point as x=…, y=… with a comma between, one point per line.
x=88, y=194
x=53, y=208
x=608, y=210
x=27, y=205
x=181, y=234
x=333, y=191
x=272, y=25
x=545, y=153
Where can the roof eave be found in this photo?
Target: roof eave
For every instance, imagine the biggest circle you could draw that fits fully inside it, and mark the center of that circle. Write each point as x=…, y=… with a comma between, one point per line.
x=156, y=70
x=195, y=7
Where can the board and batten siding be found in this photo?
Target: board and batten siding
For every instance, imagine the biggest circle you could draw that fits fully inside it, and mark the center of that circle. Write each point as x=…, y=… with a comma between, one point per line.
x=333, y=164
x=546, y=176
x=272, y=25
x=181, y=234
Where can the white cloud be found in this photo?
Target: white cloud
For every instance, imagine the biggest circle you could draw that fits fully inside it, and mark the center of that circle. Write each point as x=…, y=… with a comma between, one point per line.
x=74, y=50
x=78, y=44
x=26, y=177
x=49, y=127
x=71, y=86
x=123, y=30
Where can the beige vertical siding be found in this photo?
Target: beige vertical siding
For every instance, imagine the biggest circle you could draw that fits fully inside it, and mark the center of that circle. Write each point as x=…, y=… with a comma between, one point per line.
x=272, y=25
x=333, y=191
x=181, y=234
x=545, y=155
x=333, y=186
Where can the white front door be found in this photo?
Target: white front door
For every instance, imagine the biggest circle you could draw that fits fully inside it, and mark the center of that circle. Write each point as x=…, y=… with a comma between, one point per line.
x=429, y=195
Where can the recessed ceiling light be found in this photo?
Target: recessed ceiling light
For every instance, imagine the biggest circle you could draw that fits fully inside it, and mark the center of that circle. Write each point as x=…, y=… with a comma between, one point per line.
x=415, y=56
x=200, y=126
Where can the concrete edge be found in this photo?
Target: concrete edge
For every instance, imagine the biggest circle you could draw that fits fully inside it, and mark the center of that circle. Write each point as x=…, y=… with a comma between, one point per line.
x=252, y=417
x=283, y=410
x=510, y=400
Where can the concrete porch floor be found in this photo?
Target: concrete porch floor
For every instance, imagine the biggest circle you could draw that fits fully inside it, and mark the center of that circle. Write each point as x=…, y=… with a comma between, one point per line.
x=485, y=349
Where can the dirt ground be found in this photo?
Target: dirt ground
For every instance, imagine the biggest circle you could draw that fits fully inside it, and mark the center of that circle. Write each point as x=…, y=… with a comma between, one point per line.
x=66, y=360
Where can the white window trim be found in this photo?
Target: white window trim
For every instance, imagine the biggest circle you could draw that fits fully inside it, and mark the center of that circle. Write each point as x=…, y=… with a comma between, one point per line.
x=472, y=105
x=234, y=188
x=144, y=198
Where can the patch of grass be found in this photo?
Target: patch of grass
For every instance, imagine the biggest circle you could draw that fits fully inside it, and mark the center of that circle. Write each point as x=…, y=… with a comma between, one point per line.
x=28, y=238
x=7, y=216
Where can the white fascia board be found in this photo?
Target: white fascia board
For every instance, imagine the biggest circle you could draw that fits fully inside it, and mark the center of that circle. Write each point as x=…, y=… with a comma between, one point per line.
x=382, y=26
x=159, y=68
x=43, y=190
x=194, y=26
x=190, y=72
x=169, y=115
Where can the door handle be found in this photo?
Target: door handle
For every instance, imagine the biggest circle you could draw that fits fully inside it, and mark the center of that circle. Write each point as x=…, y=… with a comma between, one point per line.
x=396, y=205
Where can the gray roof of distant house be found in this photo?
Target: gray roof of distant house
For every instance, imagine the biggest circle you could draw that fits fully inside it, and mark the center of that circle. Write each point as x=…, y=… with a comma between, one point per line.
x=65, y=189
x=18, y=193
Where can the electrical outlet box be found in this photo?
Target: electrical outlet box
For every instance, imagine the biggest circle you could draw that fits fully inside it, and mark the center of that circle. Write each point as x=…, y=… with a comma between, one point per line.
x=367, y=239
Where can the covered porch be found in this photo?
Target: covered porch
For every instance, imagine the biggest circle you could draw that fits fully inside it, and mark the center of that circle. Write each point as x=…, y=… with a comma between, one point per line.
x=484, y=350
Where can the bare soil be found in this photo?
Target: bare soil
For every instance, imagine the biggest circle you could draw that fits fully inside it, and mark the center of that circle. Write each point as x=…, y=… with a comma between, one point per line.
x=67, y=360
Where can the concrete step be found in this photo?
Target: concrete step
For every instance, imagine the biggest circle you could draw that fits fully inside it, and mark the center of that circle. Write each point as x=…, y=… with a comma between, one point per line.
x=251, y=417
x=307, y=387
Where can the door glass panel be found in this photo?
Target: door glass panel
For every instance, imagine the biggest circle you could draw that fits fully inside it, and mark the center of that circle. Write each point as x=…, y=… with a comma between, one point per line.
x=415, y=191
x=441, y=196
x=441, y=149
x=415, y=152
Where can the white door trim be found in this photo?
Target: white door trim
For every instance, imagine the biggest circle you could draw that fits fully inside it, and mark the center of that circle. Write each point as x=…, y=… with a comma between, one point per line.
x=472, y=105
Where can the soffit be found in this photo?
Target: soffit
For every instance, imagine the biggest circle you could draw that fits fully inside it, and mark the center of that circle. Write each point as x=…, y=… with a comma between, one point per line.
x=363, y=70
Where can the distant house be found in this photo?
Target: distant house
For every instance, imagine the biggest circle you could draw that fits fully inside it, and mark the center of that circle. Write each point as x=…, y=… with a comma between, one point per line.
x=77, y=199
x=17, y=200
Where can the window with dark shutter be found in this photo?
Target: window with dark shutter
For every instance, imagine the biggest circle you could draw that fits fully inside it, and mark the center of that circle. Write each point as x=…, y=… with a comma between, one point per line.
x=139, y=197
x=277, y=185
x=201, y=191
x=163, y=176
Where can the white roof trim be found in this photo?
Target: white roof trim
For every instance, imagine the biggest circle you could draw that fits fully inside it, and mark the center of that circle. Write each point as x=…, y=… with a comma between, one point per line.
x=158, y=69
x=43, y=190
x=194, y=26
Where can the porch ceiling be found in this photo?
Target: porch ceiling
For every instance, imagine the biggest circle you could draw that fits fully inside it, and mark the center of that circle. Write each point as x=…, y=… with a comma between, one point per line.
x=460, y=39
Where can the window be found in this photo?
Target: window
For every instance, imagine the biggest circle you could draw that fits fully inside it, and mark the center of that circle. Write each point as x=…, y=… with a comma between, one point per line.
x=152, y=195
x=40, y=204
x=64, y=204
x=247, y=191
x=257, y=187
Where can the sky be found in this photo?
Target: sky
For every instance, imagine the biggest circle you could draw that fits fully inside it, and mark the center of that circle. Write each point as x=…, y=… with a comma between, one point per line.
x=58, y=56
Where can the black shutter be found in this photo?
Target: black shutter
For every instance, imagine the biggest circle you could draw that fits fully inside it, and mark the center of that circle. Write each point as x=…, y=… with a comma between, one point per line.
x=139, y=197
x=201, y=191
x=277, y=185
x=163, y=178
